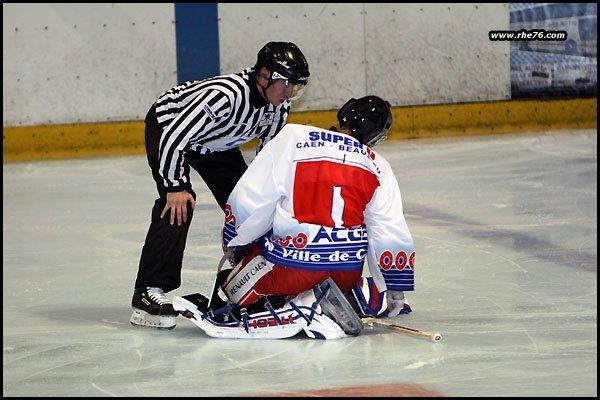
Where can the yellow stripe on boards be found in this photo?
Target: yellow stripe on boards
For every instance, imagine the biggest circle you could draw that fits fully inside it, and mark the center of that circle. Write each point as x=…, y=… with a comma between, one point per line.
x=428, y=121
x=73, y=140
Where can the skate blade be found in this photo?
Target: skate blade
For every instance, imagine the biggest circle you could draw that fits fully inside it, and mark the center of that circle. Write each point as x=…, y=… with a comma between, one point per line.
x=142, y=318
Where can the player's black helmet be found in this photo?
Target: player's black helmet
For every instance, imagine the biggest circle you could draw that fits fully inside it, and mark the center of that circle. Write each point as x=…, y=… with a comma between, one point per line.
x=285, y=59
x=369, y=118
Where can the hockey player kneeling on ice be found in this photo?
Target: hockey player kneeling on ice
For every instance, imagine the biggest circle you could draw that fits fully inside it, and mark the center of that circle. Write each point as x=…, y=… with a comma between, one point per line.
x=322, y=312
x=311, y=208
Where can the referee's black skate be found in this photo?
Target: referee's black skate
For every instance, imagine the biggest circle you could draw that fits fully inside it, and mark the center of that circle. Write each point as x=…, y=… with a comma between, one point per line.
x=152, y=308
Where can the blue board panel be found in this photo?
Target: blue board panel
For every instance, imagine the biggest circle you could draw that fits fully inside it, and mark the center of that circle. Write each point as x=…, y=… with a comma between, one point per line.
x=197, y=35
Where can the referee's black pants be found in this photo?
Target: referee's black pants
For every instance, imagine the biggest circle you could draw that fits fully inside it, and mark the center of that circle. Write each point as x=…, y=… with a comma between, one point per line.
x=162, y=254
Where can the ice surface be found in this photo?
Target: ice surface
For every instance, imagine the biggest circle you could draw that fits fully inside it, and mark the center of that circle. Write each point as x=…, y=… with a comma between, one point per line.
x=505, y=229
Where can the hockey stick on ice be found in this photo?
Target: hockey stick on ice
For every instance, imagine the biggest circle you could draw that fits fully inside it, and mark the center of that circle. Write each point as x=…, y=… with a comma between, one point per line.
x=432, y=336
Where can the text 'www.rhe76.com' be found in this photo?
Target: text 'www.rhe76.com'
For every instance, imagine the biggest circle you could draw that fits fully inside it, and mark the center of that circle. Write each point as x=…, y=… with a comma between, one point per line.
x=528, y=35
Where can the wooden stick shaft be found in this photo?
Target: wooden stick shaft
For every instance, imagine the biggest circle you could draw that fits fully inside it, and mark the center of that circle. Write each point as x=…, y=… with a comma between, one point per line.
x=433, y=336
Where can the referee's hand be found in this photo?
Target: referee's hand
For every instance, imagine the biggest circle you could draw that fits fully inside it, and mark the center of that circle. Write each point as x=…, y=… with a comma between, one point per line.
x=177, y=203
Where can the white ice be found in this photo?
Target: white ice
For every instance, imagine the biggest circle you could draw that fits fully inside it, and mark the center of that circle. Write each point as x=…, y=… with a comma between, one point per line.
x=505, y=229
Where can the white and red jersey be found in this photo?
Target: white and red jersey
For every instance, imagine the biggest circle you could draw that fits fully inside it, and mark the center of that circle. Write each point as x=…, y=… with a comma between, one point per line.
x=320, y=200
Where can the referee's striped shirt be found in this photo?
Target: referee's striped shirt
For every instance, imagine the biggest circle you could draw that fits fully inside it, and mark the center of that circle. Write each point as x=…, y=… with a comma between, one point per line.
x=214, y=114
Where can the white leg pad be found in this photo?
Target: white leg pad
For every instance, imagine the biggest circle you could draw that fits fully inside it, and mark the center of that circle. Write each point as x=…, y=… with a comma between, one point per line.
x=321, y=326
x=263, y=325
x=260, y=325
x=300, y=313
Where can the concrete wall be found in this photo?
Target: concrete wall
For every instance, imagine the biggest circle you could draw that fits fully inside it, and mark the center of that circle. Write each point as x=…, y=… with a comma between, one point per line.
x=69, y=63
x=408, y=53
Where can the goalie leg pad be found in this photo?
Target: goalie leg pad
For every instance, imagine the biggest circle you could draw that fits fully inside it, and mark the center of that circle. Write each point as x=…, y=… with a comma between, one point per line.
x=322, y=312
x=370, y=301
x=260, y=325
x=315, y=323
x=240, y=283
x=337, y=308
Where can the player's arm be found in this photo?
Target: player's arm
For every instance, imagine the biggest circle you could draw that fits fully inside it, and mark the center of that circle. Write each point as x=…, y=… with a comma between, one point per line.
x=251, y=205
x=391, y=249
x=194, y=122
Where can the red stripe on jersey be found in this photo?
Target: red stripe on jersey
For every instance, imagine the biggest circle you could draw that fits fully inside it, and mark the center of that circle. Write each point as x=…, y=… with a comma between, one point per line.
x=314, y=184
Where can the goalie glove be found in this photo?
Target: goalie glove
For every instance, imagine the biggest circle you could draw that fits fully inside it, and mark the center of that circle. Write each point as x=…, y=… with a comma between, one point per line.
x=396, y=304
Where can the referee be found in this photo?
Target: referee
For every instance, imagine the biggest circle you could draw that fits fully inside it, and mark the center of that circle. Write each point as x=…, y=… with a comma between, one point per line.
x=202, y=124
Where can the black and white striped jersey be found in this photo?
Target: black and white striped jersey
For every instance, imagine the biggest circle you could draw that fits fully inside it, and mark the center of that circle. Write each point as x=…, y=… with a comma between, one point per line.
x=214, y=114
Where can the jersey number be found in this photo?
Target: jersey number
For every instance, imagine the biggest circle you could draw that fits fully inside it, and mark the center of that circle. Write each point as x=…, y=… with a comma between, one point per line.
x=332, y=194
